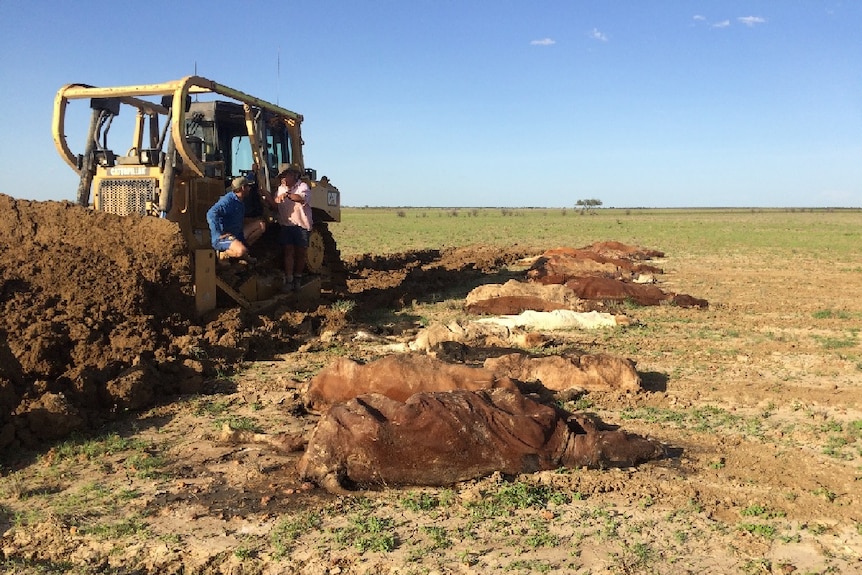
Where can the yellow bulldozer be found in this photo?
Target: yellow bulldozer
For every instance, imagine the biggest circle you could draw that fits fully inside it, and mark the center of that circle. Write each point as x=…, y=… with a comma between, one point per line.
x=189, y=138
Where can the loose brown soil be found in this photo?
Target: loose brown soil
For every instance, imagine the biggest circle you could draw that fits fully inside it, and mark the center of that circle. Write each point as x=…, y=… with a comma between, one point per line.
x=138, y=438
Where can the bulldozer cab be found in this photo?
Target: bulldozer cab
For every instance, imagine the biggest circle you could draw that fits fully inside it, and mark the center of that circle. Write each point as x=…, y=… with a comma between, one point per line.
x=189, y=139
x=218, y=135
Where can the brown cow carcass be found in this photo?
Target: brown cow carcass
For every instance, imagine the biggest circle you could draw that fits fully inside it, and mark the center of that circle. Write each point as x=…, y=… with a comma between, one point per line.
x=514, y=297
x=558, y=265
x=614, y=249
x=441, y=438
x=606, y=289
x=397, y=377
x=607, y=271
x=583, y=372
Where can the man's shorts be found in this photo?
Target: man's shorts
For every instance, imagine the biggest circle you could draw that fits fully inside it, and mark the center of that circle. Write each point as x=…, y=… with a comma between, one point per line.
x=293, y=236
x=223, y=244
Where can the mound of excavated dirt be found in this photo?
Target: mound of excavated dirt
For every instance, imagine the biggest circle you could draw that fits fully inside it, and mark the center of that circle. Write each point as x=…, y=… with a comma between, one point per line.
x=96, y=316
x=84, y=297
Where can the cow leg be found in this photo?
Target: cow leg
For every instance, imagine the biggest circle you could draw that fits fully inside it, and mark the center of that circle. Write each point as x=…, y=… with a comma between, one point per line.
x=331, y=483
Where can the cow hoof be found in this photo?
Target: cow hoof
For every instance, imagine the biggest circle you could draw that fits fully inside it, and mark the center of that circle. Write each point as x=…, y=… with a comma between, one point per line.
x=331, y=484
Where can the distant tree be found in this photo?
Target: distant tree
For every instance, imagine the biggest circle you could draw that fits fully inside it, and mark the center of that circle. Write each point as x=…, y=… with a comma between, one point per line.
x=588, y=206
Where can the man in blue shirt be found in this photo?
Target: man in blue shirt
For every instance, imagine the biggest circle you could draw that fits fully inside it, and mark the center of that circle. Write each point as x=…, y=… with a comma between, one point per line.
x=229, y=237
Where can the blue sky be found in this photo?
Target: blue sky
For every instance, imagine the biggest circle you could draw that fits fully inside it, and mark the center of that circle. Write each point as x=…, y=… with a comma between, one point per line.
x=476, y=103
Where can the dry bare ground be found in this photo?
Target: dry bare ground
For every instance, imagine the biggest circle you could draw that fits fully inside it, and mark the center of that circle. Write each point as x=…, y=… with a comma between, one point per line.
x=756, y=397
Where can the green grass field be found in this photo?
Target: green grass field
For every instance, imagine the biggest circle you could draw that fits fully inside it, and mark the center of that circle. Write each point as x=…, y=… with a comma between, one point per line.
x=832, y=234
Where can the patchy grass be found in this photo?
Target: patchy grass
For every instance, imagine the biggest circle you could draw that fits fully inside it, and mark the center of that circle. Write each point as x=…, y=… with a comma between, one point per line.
x=92, y=448
x=368, y=533
x=288, y=529
x=516, y=495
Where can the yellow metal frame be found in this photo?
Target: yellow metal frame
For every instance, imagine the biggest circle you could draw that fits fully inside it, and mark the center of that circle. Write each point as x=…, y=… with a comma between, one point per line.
x=179, y=90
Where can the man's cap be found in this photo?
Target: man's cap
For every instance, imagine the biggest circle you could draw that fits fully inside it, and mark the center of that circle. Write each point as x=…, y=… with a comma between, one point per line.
x=287, y=168
x=237, y=183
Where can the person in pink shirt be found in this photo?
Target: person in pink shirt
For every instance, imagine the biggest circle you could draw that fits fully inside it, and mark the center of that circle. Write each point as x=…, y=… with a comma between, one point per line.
x=294, y=217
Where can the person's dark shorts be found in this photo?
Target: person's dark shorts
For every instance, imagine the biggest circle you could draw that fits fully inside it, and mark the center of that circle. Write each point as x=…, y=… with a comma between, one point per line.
x=223, y=244
x=293, y=236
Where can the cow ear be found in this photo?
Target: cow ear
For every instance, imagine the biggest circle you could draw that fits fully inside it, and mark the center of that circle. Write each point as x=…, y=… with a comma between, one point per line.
x=583, y=423
x=575, y=425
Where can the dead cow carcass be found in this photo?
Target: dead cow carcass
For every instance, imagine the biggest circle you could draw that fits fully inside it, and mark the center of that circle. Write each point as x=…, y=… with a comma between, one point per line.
x=513, y=297
x=596, y=372
x=609, y=260
x=444, y=437
x=593, y=288
x=397, y=377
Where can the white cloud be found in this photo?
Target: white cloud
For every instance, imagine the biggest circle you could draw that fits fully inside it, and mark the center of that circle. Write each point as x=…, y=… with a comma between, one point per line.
x=543, y=42
x=722, y=24
x=698, y=17
x=596, y=35
x=751, y=21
